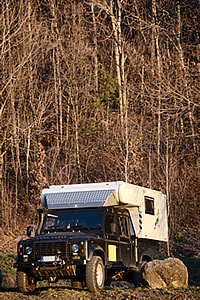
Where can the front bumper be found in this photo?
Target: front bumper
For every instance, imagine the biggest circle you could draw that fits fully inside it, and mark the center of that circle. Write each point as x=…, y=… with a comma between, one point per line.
x=59, y=269
x=28, y=263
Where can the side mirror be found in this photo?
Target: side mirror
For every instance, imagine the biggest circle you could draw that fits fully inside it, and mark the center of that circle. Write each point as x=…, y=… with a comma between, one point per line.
x=29, y=230
x=40, y=211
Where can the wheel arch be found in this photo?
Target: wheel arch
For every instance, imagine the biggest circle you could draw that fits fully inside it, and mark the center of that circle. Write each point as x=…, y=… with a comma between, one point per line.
x=97, y=251
x=145, y=258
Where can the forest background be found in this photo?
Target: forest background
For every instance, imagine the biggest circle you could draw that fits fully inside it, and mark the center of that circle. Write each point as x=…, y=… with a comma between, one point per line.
x=99, y=90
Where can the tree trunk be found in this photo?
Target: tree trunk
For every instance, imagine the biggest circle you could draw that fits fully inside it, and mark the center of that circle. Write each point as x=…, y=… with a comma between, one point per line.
x=95, y=45
x=120, y=62
x=184, y=72
x=15, y=143
x=158, y=69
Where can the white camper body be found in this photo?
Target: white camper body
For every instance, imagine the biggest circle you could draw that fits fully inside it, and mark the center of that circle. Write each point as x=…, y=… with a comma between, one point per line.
x=147, y=208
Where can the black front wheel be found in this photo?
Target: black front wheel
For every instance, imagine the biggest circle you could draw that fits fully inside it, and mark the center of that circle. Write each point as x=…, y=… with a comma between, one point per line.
x=95, y=274
x=25, y=284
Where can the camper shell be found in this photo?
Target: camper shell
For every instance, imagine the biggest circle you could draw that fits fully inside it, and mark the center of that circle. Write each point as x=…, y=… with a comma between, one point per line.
x=108, y=231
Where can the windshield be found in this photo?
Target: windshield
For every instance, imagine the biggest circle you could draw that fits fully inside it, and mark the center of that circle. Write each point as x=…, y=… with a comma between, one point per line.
x=73, y=220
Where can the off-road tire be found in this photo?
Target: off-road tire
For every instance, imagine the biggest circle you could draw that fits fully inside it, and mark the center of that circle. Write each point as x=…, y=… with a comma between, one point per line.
x=141, y=270
x=95, y=274
x=24, y=283
x=142, y=265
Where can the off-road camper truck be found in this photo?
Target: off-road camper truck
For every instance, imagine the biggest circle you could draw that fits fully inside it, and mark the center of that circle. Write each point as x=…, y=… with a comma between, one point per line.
x=92, y=233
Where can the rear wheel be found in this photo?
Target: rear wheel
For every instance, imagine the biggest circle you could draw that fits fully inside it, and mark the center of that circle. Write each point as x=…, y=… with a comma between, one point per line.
x=141, y=270
x=25, y=284
x=142, y=265
x=95, y=274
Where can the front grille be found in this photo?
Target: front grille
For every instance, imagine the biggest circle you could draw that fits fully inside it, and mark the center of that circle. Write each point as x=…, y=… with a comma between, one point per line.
x=50, y=249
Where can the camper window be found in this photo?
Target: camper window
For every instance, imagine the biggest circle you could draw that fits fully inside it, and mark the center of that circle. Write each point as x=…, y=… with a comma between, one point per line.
x=149, y=205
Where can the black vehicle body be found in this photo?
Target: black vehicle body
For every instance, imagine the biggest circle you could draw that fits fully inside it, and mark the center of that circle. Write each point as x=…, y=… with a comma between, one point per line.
x=102, y=240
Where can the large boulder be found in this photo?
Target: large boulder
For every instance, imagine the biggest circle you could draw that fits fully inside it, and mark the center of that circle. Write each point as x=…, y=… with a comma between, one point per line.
x=170, y=272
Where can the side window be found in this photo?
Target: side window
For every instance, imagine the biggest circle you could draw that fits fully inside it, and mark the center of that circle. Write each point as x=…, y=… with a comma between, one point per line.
x=110, y=226
x=149, y=205
x=131, y=230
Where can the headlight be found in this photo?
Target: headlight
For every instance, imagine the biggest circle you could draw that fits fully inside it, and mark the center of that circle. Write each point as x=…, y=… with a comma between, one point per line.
x=28, y=250
x=75, y=248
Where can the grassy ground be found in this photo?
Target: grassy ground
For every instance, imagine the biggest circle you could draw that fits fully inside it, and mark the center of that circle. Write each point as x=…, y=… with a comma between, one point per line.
x=8, y=272
x=61, y=291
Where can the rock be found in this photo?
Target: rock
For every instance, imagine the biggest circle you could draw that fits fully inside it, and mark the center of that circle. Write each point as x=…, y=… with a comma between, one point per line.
x=170, y=272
